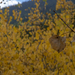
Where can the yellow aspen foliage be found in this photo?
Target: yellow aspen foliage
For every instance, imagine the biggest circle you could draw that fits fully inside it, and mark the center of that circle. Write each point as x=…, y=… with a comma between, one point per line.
x=1, y=11
x=37, y=36
x=35, y=48
x=1, y=16
x=5, y=20
x=67, y=16
x=10, y=17
x=15, y=29
x=20, y=19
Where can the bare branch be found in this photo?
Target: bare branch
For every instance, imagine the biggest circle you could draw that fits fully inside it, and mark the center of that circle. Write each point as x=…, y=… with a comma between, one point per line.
x=64, y=22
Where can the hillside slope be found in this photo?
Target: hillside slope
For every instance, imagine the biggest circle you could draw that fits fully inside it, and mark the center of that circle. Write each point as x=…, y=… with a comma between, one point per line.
x=51, y=5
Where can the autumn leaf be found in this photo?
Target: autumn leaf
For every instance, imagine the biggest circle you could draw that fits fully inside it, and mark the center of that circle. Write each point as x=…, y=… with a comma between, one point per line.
x=57, y=42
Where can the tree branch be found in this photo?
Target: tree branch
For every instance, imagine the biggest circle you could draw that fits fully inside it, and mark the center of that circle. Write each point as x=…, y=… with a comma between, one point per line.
x=64, y=22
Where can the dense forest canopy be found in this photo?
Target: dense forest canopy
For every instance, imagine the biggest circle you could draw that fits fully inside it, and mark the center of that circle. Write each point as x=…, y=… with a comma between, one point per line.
x=40, y=44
